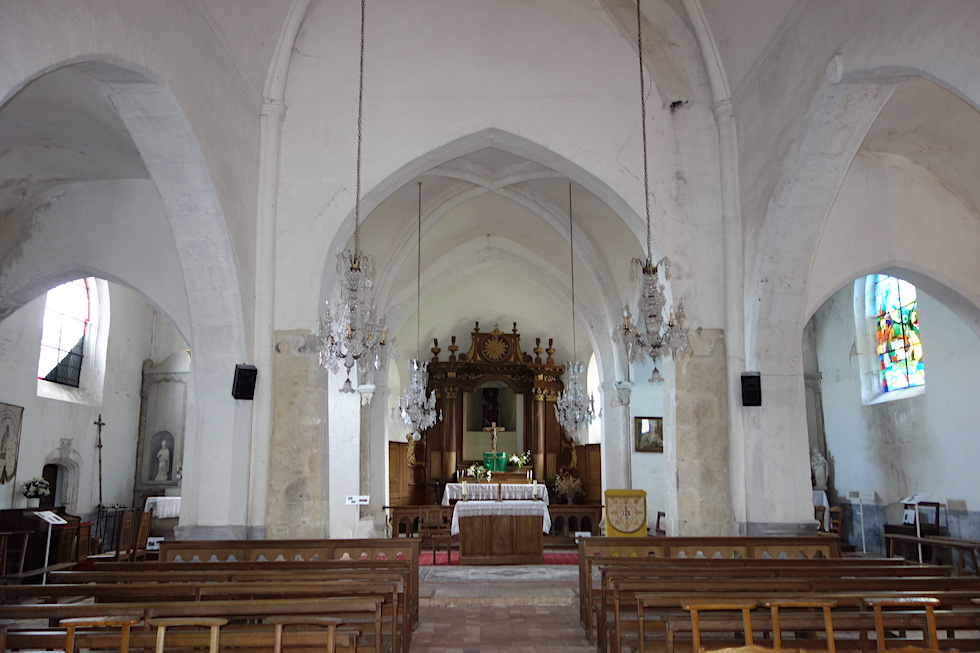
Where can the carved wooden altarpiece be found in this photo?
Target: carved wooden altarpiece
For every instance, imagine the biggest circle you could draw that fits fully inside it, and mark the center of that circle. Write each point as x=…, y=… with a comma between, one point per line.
x=495, y=357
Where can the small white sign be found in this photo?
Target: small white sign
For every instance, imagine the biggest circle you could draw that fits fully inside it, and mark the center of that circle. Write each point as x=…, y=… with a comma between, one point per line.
x=51, y=517
x=908, y=516
x=358, y=499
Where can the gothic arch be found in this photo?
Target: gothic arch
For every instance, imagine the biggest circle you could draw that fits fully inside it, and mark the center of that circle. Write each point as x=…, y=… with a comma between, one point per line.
x=69, y=463
x=207, y=278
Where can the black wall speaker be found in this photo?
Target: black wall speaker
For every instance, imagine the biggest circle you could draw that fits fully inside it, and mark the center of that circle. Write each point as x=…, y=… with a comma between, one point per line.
x=751, y=389
x=244, y=385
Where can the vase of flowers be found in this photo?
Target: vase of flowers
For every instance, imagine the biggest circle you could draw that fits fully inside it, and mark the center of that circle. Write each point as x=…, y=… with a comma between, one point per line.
x=516, y=462
x=479, y=472
x=34, y=489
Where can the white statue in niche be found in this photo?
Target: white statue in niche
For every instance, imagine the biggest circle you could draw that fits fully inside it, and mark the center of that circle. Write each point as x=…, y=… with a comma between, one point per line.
x=820, y=470
x=163, y=462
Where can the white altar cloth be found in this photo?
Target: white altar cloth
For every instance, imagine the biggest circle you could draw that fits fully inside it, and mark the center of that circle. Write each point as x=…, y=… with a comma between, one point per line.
x=820, y=499
x=488, y=492
x=477, y=508
x=163, y=507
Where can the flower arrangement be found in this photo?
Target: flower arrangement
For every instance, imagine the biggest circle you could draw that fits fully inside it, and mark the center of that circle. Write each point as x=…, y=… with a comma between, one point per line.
x=567, y=486
x=521, y=460
x=35, y=488
x=479, y=472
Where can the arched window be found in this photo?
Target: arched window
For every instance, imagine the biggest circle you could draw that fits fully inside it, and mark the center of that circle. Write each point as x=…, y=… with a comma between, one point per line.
x=888, y=344
x=67, y=314
x=896, y=326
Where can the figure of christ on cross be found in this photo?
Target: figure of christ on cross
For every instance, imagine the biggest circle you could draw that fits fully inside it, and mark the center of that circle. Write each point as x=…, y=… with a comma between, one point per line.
x=493, y=429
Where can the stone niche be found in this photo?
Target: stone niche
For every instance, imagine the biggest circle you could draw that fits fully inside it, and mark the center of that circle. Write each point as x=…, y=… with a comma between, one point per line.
x=159, y=452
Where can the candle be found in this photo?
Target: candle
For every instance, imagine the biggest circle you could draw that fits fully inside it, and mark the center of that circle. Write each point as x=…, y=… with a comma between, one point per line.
x=534, y=490
x=464, y=490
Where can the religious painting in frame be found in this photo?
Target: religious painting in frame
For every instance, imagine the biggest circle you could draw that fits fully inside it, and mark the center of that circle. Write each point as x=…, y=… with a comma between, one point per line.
x=648, y=433
x=10, y=420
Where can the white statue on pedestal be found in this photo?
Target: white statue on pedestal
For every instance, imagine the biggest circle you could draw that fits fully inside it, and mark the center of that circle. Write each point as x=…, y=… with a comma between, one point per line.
x=163, y=462
x=820, y=470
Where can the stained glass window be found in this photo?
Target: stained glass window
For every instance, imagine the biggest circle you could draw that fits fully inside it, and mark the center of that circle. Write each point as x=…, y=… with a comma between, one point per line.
x=66, y=318
x=898, y=346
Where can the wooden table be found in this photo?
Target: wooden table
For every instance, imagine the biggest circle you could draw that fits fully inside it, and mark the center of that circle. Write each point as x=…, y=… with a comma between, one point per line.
x=501, y=532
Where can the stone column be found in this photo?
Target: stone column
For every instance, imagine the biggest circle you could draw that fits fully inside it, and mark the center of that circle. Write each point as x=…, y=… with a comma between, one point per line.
x=698, y=455
x=297, y=506
x=616, y=448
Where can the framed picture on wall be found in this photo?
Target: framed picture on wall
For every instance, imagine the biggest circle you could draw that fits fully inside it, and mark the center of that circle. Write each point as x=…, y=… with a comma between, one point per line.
x=10, y=418
x=649, y=434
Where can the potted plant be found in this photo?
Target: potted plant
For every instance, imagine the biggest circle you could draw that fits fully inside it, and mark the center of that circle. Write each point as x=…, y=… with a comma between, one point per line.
x=34, y=489
x=567, y=486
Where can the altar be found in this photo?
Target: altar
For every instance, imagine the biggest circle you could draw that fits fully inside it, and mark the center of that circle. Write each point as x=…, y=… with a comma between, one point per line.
x=501, y=532
x=490, y=492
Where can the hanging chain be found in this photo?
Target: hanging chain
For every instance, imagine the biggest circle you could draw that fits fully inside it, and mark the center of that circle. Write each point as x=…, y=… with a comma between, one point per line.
x=571, y=258
x=418, y=288
x=643, y=122
x=360, y=114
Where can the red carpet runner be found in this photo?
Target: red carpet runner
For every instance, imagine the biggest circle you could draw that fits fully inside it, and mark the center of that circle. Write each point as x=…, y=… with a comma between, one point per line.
x=550, y=558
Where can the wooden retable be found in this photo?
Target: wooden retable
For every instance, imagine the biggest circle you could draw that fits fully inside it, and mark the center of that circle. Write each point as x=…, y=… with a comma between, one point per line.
x=501, y=532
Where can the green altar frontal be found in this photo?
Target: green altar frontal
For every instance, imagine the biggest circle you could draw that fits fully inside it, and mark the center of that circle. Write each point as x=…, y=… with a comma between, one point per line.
x=495, y=461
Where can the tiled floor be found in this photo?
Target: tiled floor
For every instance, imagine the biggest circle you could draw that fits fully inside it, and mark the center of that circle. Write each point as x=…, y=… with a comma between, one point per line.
x=504, y=629
x=488, y=609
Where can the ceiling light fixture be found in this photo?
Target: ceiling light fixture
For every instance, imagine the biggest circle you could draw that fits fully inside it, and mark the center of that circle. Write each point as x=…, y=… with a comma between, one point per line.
x=354, y=333
x=415, y=410
x=574, y=408
x=657, y=336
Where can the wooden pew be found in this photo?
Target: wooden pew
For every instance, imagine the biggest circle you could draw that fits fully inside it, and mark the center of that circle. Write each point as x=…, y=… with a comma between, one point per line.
x=265, y=554
x=394, y=611
x=590, y=586
x=965, y=550
x=360, y=610
x=627, y=595
x=740, y=548
x=850, y=616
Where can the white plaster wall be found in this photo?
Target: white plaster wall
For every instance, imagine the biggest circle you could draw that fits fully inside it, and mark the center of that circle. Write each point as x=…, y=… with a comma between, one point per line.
x=175, y=42
x=579, y=105
x=891, y=212
x=648, y=470
x=136, y=330
x=920, y=444
x=117, y=229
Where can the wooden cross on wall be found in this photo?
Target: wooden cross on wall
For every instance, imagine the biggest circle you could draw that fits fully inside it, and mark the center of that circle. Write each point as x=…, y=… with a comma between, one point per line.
x=493, y=429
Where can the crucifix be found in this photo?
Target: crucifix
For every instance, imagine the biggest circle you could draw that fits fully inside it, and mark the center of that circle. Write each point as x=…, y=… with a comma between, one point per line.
x=493, y=429
x=100, y=424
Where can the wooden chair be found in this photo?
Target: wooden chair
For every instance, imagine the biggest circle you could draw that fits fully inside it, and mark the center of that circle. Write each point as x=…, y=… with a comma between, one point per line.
x=905, y=602
x=162, y=623
x=330, y=623
x=142, y=535
x=820, y=514
x=435, y=527
x=835, y=519
x=825, y=606
x=84, y=546
x=124, y=536
x=124, y=623
x=13, y=551
x=745, y=607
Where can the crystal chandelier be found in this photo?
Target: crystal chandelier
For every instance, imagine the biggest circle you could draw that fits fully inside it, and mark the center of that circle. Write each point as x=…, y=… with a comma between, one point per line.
x=353, y=333
x=650, y=335
x=574, y=407
x=415, y=410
